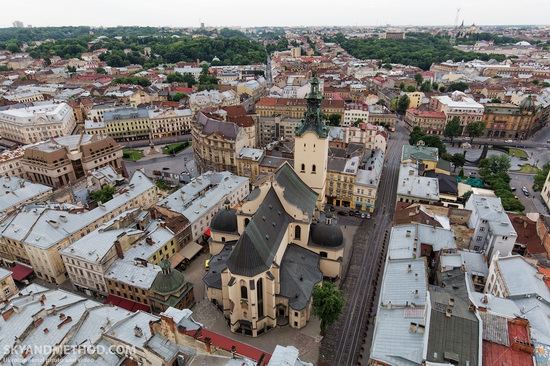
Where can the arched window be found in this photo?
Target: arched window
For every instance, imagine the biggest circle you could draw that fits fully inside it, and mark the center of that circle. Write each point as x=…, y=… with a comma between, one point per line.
x=297, y=232
x=246, y=222
x=313, y=168
x=223, y=239
x=303, y=167
x=244, y=292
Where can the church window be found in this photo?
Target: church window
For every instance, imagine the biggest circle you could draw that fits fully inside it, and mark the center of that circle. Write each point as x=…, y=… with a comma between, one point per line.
x=313, y=168
x=303, y=167
x=244, y=292
x=297, y=232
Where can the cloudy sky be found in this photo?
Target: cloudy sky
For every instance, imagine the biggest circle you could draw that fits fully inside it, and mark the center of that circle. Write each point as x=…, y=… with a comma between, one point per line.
x=185, y=13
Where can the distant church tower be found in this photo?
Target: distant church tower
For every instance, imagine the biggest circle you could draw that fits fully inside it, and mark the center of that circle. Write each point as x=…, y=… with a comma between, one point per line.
x=311, y=144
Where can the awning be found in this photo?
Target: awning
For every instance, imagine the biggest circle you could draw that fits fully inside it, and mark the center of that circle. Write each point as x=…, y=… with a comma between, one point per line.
x=188, y=252
x=126, y=304
x=208, y=233
x=20, y=272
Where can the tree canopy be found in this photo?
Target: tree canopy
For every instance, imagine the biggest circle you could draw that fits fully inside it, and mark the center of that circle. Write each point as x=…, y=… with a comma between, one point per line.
x=475, y=129
x=103, y=195
x=327, y=304
x=418, y=49
x=429, y=140
x=453, y=128
x=540, y=177
x=403, y=104
x=495, y=164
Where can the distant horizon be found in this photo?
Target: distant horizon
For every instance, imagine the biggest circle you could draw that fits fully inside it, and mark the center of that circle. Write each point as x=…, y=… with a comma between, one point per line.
x=275, y=26
x=284, y=13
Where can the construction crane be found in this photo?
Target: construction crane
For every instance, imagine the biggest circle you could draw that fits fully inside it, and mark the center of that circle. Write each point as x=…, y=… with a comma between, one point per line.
x=455, y=30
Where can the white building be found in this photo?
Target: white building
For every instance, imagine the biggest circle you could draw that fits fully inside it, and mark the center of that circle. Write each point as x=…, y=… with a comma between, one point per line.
x=39, y=122
x=493, y=230
x=18, y=191
x=412, y=187
x=353, y=113
x=199, y=200
x=458, y=105
x=212, y=99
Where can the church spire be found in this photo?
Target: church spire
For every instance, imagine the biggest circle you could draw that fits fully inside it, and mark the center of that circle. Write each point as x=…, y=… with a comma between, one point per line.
x=313, y=118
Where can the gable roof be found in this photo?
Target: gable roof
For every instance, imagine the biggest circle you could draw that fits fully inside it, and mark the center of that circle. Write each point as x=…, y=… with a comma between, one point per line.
x=296, y=191
x=256, y=248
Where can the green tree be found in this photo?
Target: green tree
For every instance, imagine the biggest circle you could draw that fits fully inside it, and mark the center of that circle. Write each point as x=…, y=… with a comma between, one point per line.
x=426, y=87
x=460, y=86
x=410, y=89
x=495, y=164
x=334, y=119
x=446, y=156
x=475, y=129
x=453, y=129
x=100, y=70
x=401, y=86
x=403, y=104
x=327, y=304
x=540, y=177
x=103, y=195
x=419, y=79
x=179, y=96
x=458, y=160
x=467, y=195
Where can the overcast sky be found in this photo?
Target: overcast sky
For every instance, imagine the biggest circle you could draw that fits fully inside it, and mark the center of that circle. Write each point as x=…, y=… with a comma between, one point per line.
x=186, y=13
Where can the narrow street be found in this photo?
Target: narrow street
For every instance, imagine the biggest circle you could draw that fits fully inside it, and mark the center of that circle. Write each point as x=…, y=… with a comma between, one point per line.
x=348, y=339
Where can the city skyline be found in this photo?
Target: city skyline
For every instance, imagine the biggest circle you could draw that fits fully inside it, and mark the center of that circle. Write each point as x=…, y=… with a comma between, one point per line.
x=354, y=13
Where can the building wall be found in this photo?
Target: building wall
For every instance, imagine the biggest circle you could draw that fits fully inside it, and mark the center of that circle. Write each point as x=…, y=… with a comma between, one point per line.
x=311, y=161
x=507, y=122
x=7, y=288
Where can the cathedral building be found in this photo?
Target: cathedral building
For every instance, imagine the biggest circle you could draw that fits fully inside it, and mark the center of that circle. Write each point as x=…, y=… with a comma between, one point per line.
x=270, y=252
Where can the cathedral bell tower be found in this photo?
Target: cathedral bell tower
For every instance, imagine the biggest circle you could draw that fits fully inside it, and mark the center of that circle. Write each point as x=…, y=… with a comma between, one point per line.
x=311, y=144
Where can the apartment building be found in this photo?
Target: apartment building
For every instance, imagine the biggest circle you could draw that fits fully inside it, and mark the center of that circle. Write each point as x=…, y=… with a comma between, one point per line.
x=122, y=124
x=25, y=124
x=295, y=108
x=412, y=187
x=355, y=113
x=212, y=99
x=248, y=163
x=493, y=230
x=430, y=122
x=458, y=105
x=508, y=121
x=218, y=135
x=170, y=122
x=10, y=162
x=276, y=128
x=199, y=200
x=65, y=159
x=16, y=192
x=7, y=285
x=36, y=233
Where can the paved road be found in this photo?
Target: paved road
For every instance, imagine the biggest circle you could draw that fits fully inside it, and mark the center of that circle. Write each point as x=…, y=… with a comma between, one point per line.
x=347, y=338
x=183, y=162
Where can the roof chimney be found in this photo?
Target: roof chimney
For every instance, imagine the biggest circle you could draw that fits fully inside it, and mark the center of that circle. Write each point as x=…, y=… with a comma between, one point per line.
x=118, y=248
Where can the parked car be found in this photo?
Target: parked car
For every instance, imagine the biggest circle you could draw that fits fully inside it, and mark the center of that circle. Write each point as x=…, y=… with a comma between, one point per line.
x=524, y=189
x=331, y=208
x=507, y=140
x=526, y=193
x=513, y=189
x=363, y=215
x=357, y=213
x=207, y=265
x=342, y=213
x=368, y=216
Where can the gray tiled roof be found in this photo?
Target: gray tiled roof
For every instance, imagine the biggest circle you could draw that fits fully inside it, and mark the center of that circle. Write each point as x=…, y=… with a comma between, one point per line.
x=455, y=336
x=296, y=191
x=299, y=274
x=260, y=241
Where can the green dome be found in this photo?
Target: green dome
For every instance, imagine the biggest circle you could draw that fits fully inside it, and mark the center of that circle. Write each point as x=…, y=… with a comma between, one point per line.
x=168, y=281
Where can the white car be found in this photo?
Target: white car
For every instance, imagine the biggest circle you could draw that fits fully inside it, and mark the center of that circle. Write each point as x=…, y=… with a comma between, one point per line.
x=507, y=140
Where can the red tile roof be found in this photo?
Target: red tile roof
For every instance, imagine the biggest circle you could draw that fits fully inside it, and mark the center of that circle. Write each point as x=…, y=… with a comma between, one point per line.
x=227, y=343
x=498, y=354
x=527, y=233
x=426, y=114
